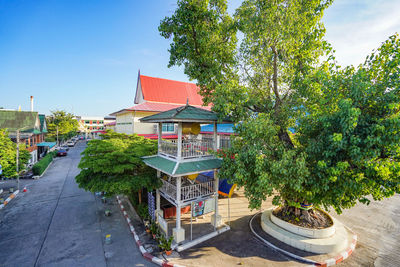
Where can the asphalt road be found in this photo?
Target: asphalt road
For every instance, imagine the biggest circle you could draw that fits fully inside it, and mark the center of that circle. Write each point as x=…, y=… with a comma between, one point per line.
x=58, y=224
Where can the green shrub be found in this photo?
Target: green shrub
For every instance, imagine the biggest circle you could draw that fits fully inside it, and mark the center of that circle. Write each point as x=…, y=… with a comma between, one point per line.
x=40, y=166
x=143, y=211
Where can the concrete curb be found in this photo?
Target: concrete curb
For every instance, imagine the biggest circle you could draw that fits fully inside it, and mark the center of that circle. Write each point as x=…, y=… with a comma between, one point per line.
x=13, y=195
x=144, y=252
x=329, y=262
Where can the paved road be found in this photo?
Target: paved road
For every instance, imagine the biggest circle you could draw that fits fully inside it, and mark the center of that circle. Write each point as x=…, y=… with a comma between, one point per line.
x=57, y=224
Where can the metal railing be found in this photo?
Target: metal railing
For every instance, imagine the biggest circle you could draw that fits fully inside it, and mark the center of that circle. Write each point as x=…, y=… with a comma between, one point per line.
x=197, y=190
x=169, y=147
x=188, y=192
x=168, y=189
x=191, y=148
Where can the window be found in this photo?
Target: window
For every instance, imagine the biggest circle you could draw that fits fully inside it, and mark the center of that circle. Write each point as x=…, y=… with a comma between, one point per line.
x=87, y=122
x=168, y=127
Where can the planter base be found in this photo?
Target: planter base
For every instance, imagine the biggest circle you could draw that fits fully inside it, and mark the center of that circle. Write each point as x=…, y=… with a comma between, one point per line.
x=334, y=243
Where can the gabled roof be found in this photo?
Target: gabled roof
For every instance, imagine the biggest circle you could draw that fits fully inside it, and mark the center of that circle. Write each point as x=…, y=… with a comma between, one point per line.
x=169, y=91
x=181, y=114
x=14, y=120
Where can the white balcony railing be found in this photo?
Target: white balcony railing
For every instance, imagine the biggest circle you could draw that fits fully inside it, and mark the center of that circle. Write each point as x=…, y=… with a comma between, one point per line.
x=188, y=192
x=197, y=190
x=191, y=148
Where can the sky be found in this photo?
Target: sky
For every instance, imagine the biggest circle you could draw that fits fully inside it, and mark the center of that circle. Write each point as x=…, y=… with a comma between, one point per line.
x=84, y=56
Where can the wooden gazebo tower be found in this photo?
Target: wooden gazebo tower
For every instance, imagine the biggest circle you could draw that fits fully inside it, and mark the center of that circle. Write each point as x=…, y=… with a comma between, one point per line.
x=178, y=162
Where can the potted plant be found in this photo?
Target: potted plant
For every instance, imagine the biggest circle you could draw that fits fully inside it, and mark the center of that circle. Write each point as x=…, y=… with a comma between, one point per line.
x=154, y=229
x=165, y=244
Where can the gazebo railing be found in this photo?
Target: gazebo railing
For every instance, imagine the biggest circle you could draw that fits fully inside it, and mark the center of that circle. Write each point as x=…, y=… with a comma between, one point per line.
x=192, y=148
x=188, y=192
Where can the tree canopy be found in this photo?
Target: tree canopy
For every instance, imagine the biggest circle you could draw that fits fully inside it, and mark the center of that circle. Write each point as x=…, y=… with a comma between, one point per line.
x=114, y=165
x=8, y=155
x=64, y=121
x=308, y=130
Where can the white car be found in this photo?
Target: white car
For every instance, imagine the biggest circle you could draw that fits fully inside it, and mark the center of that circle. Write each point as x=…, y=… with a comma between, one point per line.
x=70, y=143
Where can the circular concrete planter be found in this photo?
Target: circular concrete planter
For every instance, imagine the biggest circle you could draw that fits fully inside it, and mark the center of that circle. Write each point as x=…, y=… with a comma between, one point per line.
x=334, y=243
x=303, y=231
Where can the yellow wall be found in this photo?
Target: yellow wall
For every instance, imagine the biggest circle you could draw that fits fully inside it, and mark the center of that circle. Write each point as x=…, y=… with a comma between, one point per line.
x=128, y=122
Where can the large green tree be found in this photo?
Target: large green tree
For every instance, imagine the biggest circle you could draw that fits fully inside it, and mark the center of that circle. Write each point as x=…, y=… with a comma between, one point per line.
x=62, y=121
x=273, y=82
x=114, y=164
x=8, y=155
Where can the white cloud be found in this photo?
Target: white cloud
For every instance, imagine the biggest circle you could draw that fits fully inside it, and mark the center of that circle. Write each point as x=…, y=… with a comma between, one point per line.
x=355, y=28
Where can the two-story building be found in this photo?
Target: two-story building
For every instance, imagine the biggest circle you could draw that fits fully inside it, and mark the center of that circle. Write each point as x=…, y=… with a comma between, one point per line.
x=152, y=96
x=32, y=129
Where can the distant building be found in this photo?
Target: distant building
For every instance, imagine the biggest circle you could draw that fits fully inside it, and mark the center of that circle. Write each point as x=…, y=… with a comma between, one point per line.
x=91, y=124
x=32, y=128
x=155, y=95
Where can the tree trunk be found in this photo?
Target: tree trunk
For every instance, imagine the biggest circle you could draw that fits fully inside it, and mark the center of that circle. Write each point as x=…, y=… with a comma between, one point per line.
x=140, y=196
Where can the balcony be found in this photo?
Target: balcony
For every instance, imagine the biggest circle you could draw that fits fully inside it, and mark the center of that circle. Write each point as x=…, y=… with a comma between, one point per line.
x=192, y=148
x=188, y=192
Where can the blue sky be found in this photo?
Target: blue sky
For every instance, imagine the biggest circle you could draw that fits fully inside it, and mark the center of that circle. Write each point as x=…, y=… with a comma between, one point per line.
x=83, y=56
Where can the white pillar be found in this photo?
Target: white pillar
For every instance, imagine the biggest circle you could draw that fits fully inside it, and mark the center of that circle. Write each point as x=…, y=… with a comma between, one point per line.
x=216, y=219
x=178, y=232
x=179, y=153
x=159, y=135
x=215, y=137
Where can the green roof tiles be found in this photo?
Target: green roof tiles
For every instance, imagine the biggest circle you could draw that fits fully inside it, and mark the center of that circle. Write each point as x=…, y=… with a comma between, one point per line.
x=14, y=120
x=43, y=124
x=174, y=168
x=185, y=114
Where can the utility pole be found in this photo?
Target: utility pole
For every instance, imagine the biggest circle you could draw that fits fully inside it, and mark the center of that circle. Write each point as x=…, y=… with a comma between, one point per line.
x=17, y=160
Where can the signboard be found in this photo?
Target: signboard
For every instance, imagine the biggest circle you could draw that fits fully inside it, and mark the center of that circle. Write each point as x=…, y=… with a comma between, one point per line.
x=163, y=224
x=209, y=205
x=151, y=205
x=198, y=208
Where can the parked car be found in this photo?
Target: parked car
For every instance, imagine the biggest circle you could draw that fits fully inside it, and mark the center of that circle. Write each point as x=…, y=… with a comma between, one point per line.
x=61, y=153
x=70, y=143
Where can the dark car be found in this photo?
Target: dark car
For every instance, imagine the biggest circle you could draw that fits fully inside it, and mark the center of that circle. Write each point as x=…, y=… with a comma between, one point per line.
x=61, y=153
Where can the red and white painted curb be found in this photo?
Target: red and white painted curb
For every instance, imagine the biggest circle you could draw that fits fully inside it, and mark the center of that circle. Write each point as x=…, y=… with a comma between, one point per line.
x=329, y=262
x=13, y=195
x=342, y=255
x=144, y=252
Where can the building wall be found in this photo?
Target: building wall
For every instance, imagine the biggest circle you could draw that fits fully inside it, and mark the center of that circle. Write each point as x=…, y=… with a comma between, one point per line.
x=124, y=123
x=128, y=123
x=144, y=128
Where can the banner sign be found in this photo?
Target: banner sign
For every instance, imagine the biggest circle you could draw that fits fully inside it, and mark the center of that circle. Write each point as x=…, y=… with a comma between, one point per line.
x=152, y=205
x=198, y=208
x=163, y=224
x=209, y=205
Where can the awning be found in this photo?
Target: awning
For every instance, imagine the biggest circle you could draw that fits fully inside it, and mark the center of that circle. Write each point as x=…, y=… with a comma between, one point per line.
x=48, y=144
x=174, y=168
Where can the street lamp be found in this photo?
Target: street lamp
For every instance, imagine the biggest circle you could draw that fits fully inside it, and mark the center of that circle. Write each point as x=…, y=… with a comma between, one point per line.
x=17, y=159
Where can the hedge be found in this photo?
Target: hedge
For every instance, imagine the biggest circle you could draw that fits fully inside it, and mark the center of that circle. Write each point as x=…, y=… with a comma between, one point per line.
x=41, y=166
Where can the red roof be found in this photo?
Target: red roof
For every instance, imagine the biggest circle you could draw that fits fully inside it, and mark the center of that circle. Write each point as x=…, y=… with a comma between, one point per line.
x=169, y=91
x=158, y=107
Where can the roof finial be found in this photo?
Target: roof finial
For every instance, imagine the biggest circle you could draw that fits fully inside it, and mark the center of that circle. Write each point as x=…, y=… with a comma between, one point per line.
x=187, y=101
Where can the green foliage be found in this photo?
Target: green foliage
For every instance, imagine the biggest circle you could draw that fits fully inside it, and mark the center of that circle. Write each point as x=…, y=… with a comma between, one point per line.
x=143, y=211
x=67, y=125
x=346, y=145
x=8, y=155
x=164, y=243
x=114, y=164
x=41, y=166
